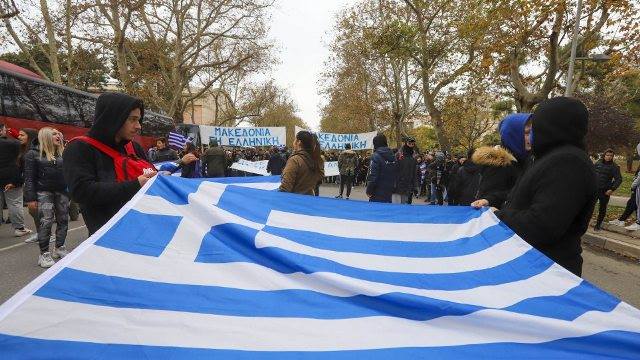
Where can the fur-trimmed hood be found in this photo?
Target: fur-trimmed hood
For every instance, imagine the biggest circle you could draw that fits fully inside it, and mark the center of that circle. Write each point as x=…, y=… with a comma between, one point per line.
x=495, y=156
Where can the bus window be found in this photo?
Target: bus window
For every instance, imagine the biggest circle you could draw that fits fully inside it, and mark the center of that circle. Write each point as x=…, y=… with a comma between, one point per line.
x=81, y=109
x=52, y=104
x=16, y=102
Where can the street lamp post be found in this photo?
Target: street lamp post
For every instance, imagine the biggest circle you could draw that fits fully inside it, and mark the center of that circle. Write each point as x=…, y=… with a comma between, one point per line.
x=574, y=46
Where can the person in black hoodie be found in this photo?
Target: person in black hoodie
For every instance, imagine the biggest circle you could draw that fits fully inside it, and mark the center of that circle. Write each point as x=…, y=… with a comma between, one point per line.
x=407, y=172
x=90, y=173
x=609, y=179
x=552, y=203
x=382, y=171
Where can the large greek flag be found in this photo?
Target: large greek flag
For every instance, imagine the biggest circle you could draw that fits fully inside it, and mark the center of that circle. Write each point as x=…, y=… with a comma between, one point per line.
x=198, y=270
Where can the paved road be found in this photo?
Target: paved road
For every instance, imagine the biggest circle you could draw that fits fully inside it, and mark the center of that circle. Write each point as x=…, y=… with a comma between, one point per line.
x=615, y=274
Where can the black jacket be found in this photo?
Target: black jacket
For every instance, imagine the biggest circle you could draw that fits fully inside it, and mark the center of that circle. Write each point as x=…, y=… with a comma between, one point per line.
x=552, y=203
x=90, y=174
x=382, y=175
x=9, y=169
x=41, y=174
x=499, y=173
x=407, y=172
x=466, y=185
x=608, y=174
x=276, y=164
x=165, y=154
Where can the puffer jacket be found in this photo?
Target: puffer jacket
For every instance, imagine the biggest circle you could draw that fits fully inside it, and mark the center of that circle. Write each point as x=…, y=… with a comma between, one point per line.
x=608, y=175
x=41, y=174
x=382, y=175
x=465, y=188
x=498, y=174
x=298, y=177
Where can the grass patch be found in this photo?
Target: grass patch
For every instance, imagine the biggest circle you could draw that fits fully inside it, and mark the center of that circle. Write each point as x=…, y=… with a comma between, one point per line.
x=613, y=212
x=625, y=187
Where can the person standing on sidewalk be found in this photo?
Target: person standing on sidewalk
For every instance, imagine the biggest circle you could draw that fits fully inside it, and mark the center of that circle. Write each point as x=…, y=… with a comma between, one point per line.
x=11, y=181
x=609, y=179
x=634, y=186
x=46, y=191
x=630, y=207
x=347, y=164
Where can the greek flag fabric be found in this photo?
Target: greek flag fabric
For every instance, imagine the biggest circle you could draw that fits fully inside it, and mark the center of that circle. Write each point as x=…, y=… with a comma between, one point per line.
x=178, y=141
x=197, y=269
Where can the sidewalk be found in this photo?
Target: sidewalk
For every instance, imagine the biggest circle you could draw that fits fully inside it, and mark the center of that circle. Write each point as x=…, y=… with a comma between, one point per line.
x=619, y=201
x=616, y=239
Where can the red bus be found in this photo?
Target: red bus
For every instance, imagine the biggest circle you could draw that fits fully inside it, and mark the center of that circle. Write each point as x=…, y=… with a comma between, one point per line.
x=28, y=101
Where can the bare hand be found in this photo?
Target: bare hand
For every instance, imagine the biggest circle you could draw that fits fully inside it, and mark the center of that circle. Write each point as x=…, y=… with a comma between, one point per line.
x=32, y=205
x=609, y=192
x=9, y=187
x=480, y=203
x=142, y=179
x=188, y=159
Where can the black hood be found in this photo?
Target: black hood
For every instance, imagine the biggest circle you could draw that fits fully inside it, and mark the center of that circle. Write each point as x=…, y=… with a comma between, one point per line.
x=470, y=167
x=386, y=153
x=112, y=110
x=557, y=122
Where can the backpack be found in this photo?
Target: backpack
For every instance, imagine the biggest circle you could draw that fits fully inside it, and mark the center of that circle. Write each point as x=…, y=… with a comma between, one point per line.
x=127, y=167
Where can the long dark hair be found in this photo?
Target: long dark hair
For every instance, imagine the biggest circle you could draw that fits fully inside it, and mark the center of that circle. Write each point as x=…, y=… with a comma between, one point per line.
x=31, y=135
x=311, y=145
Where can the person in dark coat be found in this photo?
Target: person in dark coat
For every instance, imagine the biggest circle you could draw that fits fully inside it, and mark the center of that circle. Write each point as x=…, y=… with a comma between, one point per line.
x=382, y=171
x=214, y=160
x=162, y=152
x=438, y=178
x=11, y=181
x=502, y=165
x=406, y=181
x=467, y=182
x=90, y=173
x=276, y=162
x=609, y=179
x=552, y=203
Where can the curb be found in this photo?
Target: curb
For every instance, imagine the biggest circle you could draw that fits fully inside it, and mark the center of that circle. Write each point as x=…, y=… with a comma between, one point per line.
x=617, y=246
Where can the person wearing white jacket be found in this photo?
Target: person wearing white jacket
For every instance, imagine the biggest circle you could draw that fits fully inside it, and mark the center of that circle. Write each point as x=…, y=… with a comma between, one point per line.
x=634, y=185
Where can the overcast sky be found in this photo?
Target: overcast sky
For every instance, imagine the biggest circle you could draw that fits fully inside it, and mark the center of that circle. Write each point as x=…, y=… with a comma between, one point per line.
x=301, y=28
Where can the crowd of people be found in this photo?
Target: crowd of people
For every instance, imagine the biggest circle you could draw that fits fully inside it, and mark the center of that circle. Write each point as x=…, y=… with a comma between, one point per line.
x=539, y=180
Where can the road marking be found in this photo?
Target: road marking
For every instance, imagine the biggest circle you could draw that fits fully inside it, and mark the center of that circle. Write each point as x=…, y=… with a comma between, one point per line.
x=24, y=243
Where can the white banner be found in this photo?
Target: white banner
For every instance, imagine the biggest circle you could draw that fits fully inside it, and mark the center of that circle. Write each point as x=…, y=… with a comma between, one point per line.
x=260, y=167
x=331, y=141
x=244, y=136
x=254, y=167
x=331, y=168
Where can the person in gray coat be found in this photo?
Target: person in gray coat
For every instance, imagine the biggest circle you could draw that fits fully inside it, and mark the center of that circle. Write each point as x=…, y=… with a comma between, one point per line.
x=214, y=160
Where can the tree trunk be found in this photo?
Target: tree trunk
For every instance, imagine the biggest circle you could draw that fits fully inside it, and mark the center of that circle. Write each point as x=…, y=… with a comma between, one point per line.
x=52, y=43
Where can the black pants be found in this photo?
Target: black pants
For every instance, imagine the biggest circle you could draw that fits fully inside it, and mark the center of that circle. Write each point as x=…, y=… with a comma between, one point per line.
x=603, y=201
x=346, y=180
x=631, y=207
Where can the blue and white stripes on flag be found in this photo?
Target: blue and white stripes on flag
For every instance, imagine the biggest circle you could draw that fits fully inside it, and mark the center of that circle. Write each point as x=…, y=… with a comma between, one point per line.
x=178, y=141
x=197, y=269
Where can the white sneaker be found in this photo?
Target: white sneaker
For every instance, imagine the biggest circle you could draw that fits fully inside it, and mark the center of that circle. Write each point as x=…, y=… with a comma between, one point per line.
x=616, y=222
x=31, y=239
x=22, y=232
x=60, y=252
x=45, y=260
x=52, y=238
x=633, y=227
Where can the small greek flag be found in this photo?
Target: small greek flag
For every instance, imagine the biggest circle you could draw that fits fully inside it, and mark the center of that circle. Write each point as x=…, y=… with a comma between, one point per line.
x=178, y=141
